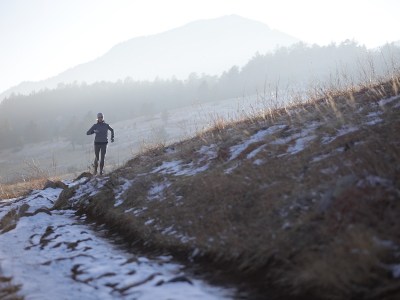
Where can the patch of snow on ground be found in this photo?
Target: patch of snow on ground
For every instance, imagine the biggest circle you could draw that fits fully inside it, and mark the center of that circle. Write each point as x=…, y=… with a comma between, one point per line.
x=259, y=162
x=258, y=137
x=374, y=181
x=35, y=200
x=88, y=189
x=208, y=152
x=395, y=270
x=373, y=118
x=120, y=190
x=189, y=170
x=168, y=167
x=302, y=139
x=253, y=153
x=231, y=169
x=384, y=102
x=342, y=131
x=300, y=144
x=169, y=230
x=139, y=211
x=149, y=222
x=156, y=192
x=330, y=171
x=176, y=168
x=80, y=181
x=320, y=157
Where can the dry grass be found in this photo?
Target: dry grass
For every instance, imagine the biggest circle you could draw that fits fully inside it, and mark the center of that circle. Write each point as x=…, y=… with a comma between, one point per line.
x=34, y=177
x=314, y=223
x=18, y=189
x=8, y=291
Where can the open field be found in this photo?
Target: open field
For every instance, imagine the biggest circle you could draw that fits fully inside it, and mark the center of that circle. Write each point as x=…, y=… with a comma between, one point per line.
x=61, y=159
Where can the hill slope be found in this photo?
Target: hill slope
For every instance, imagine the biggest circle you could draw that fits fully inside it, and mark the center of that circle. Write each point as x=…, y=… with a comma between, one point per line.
x=303, y=200
x=298, y=202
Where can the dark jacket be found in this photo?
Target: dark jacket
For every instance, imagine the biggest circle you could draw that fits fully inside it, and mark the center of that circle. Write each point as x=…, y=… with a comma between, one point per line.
x=101, y=131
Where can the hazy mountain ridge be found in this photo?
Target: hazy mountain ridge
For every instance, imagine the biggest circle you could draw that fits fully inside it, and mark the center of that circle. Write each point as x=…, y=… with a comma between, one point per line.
x=206, y=46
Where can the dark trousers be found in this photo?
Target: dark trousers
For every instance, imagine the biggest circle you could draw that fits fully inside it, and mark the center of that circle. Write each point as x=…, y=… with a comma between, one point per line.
x=99, y=150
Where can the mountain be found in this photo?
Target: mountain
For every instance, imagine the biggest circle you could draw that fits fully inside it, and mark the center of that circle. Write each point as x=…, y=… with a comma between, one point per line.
x=206, y=46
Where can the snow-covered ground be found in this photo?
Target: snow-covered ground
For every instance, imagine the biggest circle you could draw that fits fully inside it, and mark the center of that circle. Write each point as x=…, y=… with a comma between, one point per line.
x=56, y=255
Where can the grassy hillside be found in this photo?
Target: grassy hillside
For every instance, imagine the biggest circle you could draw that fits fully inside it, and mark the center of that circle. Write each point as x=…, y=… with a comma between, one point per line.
x=301, y=201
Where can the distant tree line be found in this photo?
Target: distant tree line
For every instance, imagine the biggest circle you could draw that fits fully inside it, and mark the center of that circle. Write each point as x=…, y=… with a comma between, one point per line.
x=68, y=110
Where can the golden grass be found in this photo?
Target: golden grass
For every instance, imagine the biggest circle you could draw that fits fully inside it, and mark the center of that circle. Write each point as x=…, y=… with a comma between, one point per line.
x=18, y=189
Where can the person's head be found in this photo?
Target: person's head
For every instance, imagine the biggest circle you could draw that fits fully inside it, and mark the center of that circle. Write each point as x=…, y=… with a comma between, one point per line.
x=100, y=117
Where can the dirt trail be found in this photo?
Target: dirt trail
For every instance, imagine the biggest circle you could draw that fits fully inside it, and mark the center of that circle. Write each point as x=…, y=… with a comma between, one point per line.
x=56, y=255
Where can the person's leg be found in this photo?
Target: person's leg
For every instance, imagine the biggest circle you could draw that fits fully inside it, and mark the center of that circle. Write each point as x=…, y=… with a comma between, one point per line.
x=102, y=156
x=96, y=157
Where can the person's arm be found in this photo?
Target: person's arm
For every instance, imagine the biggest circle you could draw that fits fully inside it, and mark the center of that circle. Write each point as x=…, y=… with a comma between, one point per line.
x=112, y=133
x=91, y=130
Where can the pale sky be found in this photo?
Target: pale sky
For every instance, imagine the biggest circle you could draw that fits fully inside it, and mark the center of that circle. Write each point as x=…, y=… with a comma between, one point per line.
x=42, y=38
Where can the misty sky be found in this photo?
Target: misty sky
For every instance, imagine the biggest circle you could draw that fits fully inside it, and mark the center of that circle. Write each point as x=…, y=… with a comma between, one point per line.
x=42, y=38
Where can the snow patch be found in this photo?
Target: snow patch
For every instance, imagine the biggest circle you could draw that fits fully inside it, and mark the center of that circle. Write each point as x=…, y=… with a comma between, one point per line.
x=253, y=153
x=374, y=181
x=258, y=137
x=176, y=168
x=342, y=131
x=384, y=102
x=330, y=171
x=89, y=189
x=259, y=162
x=320, y=157
x=231, y=169
x=208, y=152
x=168, y=167
x=139, y=211
x=156, y=192
x=374, y=118
x=149, y=222
x=300, y=144
x=120, y=190
x=395, y=270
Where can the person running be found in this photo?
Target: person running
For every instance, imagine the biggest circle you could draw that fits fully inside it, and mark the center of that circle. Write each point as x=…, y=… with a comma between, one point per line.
x=101, y=129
